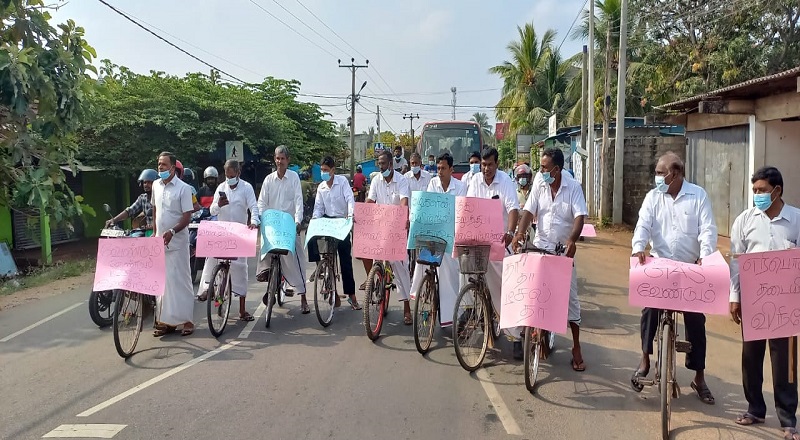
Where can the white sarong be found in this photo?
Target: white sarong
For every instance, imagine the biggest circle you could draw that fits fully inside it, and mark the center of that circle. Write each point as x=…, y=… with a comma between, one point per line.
x=176, y=306
x=238, y=274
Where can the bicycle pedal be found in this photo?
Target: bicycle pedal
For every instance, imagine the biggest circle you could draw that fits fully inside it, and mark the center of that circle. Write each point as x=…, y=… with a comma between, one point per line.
x=683, y=346
x=646, y=382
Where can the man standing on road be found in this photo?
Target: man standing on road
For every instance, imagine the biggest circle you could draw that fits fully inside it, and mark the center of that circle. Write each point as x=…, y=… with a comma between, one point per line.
x=559, y=205
x=232, y=201
x=281, y=191
x=491, y=184
x=399, y=161
x=677, y=221
x=474, y=168
x=172, y=210
x=418, y=178
x=769, y=226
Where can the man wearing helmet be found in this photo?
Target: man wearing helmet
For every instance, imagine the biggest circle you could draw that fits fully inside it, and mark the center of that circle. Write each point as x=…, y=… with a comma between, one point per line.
x=206, y=192
x=142, y=207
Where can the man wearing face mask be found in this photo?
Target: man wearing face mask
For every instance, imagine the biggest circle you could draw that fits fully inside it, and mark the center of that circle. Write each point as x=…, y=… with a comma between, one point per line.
x=474, y=167
x=418, y=178
x=431, y=166
x=677, y=222
x=399, y=161
x=524, y=177
x=769, y=226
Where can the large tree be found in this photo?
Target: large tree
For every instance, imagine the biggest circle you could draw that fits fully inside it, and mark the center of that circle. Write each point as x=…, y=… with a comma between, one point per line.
x=483, y=121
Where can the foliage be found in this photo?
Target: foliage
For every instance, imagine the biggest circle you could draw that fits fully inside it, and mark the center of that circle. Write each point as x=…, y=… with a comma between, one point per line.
x=483, y=121
x=507, y=150
x=44, y=89
x=388, y=139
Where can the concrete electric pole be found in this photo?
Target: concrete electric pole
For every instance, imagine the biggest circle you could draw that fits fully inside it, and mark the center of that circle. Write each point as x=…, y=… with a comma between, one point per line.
x=619, y=145
x=353, y=67
x=411, y=117
x=453, y=89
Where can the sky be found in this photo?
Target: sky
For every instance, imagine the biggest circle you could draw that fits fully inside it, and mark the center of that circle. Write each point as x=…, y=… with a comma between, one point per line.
x=417, y=49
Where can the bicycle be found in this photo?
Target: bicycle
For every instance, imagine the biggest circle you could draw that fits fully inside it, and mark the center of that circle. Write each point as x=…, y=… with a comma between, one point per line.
x=325, y=280
x=275, y=279
x=430, y=252
x=380, y=282
x=218, y=305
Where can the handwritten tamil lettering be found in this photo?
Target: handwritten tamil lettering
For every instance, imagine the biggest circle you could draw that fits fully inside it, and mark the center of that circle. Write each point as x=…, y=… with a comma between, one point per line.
x=226, y=240
x=133, y=264
x=278, y=231
x=662, y=283
x=480, y=221
x=380, y=232
x=770, y=286
x=337, y=228
x=432, y=214
x=535, y=291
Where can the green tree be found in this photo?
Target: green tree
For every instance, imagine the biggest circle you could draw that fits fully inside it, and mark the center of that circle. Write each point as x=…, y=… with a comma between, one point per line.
x=483, y=121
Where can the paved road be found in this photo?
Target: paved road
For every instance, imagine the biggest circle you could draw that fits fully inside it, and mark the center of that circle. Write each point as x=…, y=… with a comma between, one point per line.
x=300, y=381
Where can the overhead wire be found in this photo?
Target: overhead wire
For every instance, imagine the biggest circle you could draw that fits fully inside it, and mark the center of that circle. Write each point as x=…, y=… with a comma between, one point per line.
x=292, y=29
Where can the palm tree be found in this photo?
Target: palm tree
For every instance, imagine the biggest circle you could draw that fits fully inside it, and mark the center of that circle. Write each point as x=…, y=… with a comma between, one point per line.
x=483, y=121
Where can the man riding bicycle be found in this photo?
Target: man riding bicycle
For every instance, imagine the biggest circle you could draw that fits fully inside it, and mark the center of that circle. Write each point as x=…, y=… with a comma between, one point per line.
x=142, y=206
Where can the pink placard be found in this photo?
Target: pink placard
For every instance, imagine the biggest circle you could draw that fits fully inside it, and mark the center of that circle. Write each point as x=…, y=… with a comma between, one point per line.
x=480, y=221
x=588, y=230
x=226, y=240
x=535, y=291
x=662, y=283
x=380, y=232
x=770, y=286
x=134, y=264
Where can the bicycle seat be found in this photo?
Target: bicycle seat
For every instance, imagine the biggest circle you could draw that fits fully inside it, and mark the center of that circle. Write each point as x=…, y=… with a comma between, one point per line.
x=279, y=251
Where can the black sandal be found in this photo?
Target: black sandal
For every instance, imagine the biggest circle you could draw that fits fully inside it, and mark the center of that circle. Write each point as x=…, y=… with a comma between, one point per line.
x=748, y=419
x=246, y=317
x=703, y=393
x=635, y=385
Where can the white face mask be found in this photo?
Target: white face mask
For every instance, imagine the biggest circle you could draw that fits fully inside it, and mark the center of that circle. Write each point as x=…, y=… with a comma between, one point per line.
x=232, y=181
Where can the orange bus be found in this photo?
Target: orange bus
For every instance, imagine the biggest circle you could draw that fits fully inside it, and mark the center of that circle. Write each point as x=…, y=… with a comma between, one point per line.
x=459, y=138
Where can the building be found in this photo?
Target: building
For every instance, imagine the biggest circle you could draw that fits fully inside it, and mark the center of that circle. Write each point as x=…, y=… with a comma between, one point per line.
x=363, y=143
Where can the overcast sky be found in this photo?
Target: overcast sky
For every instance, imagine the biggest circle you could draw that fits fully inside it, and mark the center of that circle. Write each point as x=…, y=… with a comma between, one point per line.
x=417, y=49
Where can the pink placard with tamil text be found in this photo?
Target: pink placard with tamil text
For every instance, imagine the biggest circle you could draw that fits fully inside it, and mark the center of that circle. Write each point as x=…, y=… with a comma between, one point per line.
x=588, y=230
x=134, y=264
x=226, y=240
x=662, y=283
x=380, y=232
x=770, y=286
x=480, y=221
x=535, y=291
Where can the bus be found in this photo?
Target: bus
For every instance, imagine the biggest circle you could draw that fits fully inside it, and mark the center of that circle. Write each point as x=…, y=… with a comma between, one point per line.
x=459, y=138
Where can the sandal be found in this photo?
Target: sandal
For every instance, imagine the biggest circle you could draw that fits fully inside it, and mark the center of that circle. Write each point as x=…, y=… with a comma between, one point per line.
x=635, y=385
x=790, y=434
x=363, y=286
x=203, y=296
x=407, y=320
x=246, y=317
x=748, y=419
x=188, y=329
x=163, y=329
x=703, y=393
x=581, y=367
x=304, y=309
x=353, y=303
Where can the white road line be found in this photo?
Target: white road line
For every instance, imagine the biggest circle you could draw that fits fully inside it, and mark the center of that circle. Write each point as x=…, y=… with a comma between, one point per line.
x=250, y=325
x=497, y=402
x=85, y=431
x=38, y=323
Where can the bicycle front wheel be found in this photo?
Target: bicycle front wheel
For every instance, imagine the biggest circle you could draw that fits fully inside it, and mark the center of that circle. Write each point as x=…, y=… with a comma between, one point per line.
x=471, y=327
x=533, y=344
x=128, y=321
x=273, y=288
x=425, y=313
x=324, y=292
x=218, y=305
x=374, y=301
x=666, y=368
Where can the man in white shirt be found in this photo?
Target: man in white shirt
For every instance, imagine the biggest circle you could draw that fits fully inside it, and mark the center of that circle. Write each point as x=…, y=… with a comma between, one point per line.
x=677, y=221
x=335, y=200
x=281, y=191
x=231, y=202
x=418, y=178
x=770, y=225
x=491, y=184
x=399, y=161
x=391, y=188
x=558, y=204
x=449, y=284
x=474, y=168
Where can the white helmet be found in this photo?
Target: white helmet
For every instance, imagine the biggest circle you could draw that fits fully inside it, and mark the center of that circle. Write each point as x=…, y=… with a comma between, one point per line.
x=210, y=172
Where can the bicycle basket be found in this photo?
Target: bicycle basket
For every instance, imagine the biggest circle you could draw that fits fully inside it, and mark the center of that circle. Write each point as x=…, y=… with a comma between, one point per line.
x=430, y=250
x=326, y=245
x=473, y=259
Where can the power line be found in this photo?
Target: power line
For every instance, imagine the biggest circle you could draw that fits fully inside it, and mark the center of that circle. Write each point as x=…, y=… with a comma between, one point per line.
x=292, y=29
x=309, y=27
x=573, y=24
x=441, y=105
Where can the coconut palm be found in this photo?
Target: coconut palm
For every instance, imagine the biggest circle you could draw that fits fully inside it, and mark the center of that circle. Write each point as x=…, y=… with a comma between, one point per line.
x=483, y=121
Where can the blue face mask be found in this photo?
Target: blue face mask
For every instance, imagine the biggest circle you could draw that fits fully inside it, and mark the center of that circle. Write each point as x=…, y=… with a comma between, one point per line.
x=547, y=178
x=386, y=173
x=415, y=170
x=233, y=181
x=763, y=201
x=661, y=184
x=523, y=181
x=325, y=176
x=163, y=175
x=475, y=168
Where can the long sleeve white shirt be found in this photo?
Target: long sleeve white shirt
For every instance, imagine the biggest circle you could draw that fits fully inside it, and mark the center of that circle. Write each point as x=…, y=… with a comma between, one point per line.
x=240, y=199
x=391, y=193
x=555, y=215
x=420, y=184
x=681, y=229
x=753, y=231
x=282, y=194
x=334, y=201
x=502, y=186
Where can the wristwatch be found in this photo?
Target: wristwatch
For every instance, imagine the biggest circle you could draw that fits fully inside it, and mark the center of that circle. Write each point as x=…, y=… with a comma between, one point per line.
x=172, y=231
x=510, y=233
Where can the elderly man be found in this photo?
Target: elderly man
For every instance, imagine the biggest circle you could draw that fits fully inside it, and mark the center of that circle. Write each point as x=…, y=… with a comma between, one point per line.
x=172, y=210
x=769, y=226
x=491, y=184
x=418, y=178
x=281, y=191
x=232, y=200
x=559, y=204
x=677, y=221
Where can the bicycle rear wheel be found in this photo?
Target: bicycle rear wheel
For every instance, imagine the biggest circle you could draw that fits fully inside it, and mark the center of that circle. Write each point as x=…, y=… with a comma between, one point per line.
x=374, y=301
x=534, y=344
x=324, y=292
x=128, y=320
x=471, y=327
x=218, y=305
x=273, y=288
x=101, y=308
x=425, y=313
x=666, y=367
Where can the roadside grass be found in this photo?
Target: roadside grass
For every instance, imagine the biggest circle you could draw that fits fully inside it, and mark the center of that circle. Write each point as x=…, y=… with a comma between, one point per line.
x=44, y=275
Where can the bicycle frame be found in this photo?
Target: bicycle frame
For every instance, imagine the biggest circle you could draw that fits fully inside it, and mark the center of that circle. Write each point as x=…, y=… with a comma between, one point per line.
x=666, y=317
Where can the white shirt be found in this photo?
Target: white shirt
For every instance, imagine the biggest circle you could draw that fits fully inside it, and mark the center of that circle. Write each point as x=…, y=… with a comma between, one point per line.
x=456, y=187
x=282, y=194
x=681, y=229
x=555, y=215
x=335, y=201
x=389, y=193
x=398, y=164
x=420, y=184
x=170, y=201
x=501, y=186
x=754, y=231
x=467, y=176
x=240, y=200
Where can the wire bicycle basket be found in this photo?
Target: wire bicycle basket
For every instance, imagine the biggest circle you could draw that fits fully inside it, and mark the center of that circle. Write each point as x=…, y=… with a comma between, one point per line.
x=473, y=259
x=430, y=249
x=327, y=245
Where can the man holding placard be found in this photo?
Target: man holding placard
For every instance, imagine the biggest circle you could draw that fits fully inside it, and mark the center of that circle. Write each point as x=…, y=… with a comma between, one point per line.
x=232, y=200
x=771, y=225
x=281, y=191
x=677, y=221
x=558, y=204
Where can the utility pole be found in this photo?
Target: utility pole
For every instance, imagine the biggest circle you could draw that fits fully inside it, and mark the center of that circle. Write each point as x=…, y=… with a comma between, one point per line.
x=378, y=121
x=619, y=145
x=584, y=114
x=453, y=89
x=353, y=67
x=590, y=175
x=606, y=185
x=411, y=117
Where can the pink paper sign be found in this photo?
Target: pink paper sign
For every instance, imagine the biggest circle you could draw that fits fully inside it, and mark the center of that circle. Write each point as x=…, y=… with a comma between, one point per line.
x=535, y=291
x=770, y=286
x=662, y=283
x=134, y=264
x=226, y=240
x=588, y=230
x=380, y=232
x=480, y=221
